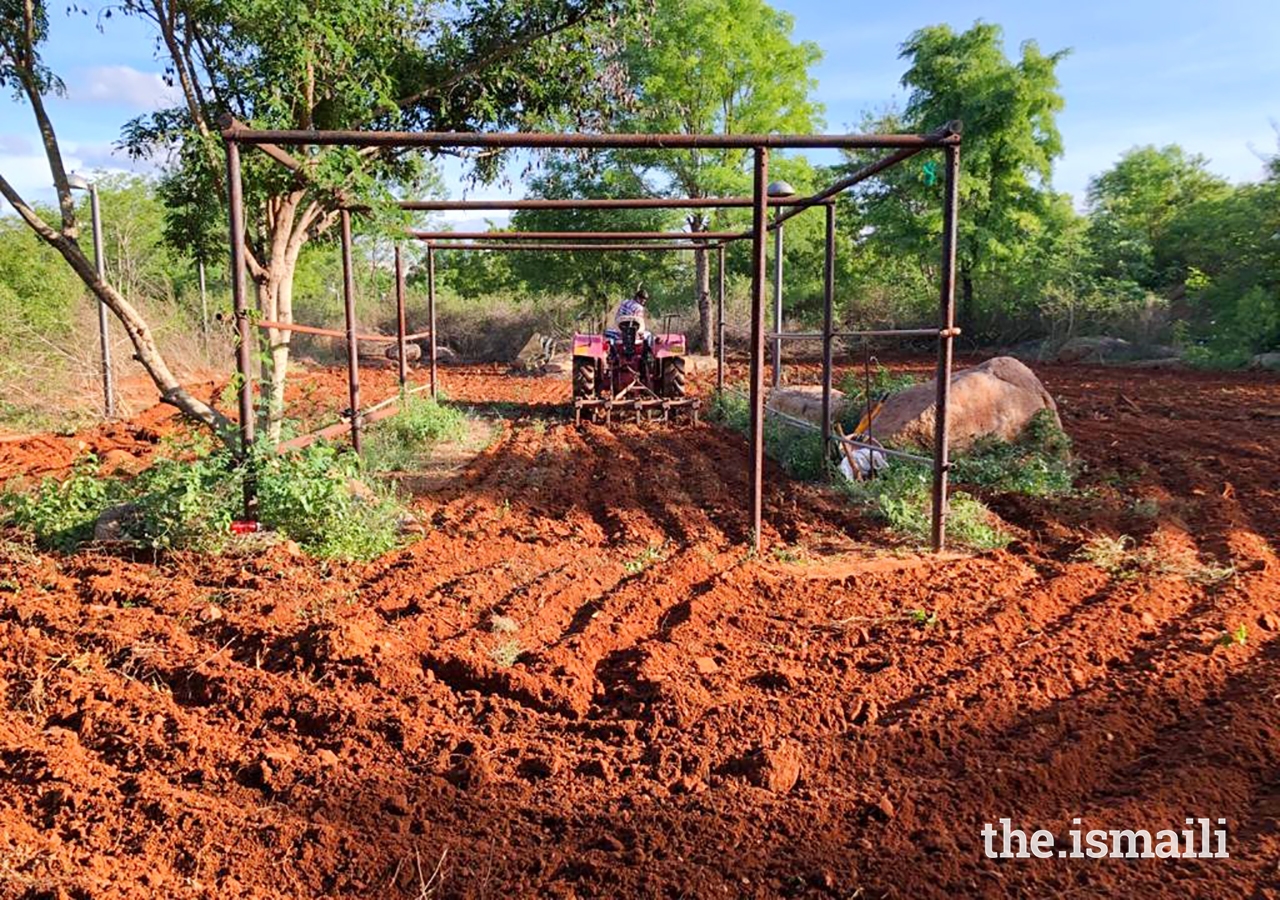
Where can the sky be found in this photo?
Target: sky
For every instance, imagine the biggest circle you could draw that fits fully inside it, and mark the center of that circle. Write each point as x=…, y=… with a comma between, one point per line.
x=1204, y=75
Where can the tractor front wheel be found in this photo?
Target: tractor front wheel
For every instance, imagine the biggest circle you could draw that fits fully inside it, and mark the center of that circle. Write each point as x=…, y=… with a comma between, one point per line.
x=584, y=378
x=673, y=380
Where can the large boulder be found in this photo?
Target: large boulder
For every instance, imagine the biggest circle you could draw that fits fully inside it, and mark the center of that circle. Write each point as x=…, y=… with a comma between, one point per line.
x=537, y=352
x=997, y=399
x=1094, y=349
x=804, y=401
x=412, y=352
x=1265, y=361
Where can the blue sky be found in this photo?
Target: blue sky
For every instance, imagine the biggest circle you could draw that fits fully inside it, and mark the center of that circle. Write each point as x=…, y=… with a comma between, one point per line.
x=1206, y=75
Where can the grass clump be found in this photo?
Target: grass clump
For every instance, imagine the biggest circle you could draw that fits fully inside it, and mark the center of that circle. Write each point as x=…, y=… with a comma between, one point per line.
x=797, y=450
x=399, y=443
x=1037, y=464
x=901, y=497
x=314, y=496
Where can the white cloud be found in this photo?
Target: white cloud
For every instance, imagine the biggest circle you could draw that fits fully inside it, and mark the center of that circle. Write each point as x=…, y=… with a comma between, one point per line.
x=123, y=86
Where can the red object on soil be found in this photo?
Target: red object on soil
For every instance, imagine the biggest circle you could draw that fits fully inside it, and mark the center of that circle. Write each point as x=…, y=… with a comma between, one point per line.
x=245, y=526
x=703, y=724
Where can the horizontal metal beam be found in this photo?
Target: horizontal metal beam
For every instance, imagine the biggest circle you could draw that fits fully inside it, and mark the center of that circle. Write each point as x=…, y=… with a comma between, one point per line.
x=534, y=247
x=534, y=140
x=576, y=235
x=597, y=203
x=849, y=181
x=902, y=454
x=884, y=332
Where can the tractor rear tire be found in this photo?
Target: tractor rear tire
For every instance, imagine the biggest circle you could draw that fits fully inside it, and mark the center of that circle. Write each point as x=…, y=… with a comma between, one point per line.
x=584, y=378
x=673, y=380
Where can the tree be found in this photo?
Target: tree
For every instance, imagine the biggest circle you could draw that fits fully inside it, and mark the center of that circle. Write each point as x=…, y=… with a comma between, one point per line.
x=24, y=26
x=1133, y=204
x=598, y=278
x=1011, y=139
x=354, y=64
x=715, y=66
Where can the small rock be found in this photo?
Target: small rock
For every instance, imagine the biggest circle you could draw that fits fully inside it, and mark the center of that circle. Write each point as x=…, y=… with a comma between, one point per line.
x=209, y=614
x=706, y=665
x=1269, y=621
x=775, y=770
x=689, y=784
x=115, y=521
x=1147, y=620
x=1078, y=677
x=885, y=805
x=471, y=773
x=326, y=758
x=290, y=548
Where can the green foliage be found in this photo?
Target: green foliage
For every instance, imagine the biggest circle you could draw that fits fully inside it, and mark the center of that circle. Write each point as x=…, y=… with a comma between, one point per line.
x=62, y=513
x=900, y=496
x=797, y=450
x=1133, y=205
x=190, y=503
x=1009, y=110
x=400, y=442
x=308, y=496
x=1037, y=464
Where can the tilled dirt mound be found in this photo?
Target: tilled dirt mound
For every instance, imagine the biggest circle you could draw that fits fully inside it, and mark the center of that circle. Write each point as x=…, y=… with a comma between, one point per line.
x=579, y=684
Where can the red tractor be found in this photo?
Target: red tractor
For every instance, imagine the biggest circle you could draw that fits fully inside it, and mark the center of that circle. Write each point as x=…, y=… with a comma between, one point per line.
x=629, y=368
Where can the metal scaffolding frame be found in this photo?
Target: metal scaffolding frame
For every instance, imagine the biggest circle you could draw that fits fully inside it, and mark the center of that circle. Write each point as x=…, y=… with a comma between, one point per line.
x=947, y=139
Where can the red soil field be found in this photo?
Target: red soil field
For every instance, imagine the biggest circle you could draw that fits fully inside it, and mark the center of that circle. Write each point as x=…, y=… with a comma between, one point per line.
x=681, y=719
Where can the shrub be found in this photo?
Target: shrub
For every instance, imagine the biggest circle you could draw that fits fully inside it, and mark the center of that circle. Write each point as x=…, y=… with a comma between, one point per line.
x=310, y=496
x=798, y=450
x=61, y=514
x=901, y=497
x=401, y=441
x=1038, y=463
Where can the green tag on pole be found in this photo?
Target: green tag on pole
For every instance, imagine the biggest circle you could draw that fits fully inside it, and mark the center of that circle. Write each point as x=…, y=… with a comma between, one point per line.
x=931, y=172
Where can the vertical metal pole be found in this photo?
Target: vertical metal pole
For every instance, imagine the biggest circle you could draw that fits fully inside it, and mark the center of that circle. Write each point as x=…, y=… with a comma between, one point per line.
x=828, y=303
x=720, y=320
x=104, y=336
x=400, y=319
x=759, y=265
x=244, y=332
x=431, y=312
x=204, y=303
x=777, y=306
x=353, y=354
x=947, y=313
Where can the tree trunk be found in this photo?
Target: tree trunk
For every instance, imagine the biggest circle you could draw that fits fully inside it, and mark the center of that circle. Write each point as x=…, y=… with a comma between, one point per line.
x=702, y=293
x=144, y=345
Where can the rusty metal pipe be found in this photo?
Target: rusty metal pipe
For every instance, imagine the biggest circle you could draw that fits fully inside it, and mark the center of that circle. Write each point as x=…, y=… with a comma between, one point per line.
x=431, y=313
x=538, y=140
x=759, y=214
x=720, y=320
x=576, y=235
x=402, y=363
x=244, y=334
x=947, y=302
x=353, y=356
x=828, y=318
x=599, y=203
x=845, y=183
x=562, y=247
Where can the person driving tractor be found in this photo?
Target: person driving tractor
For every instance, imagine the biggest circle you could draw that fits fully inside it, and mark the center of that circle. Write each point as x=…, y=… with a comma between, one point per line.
x=632, y=308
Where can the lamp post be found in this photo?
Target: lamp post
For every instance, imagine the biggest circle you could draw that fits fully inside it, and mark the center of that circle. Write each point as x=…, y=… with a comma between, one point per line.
x=778, y=189
x=80, y=183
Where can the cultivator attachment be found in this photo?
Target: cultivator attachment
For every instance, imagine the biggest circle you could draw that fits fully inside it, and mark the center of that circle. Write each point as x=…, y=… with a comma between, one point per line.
x=629, y=371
